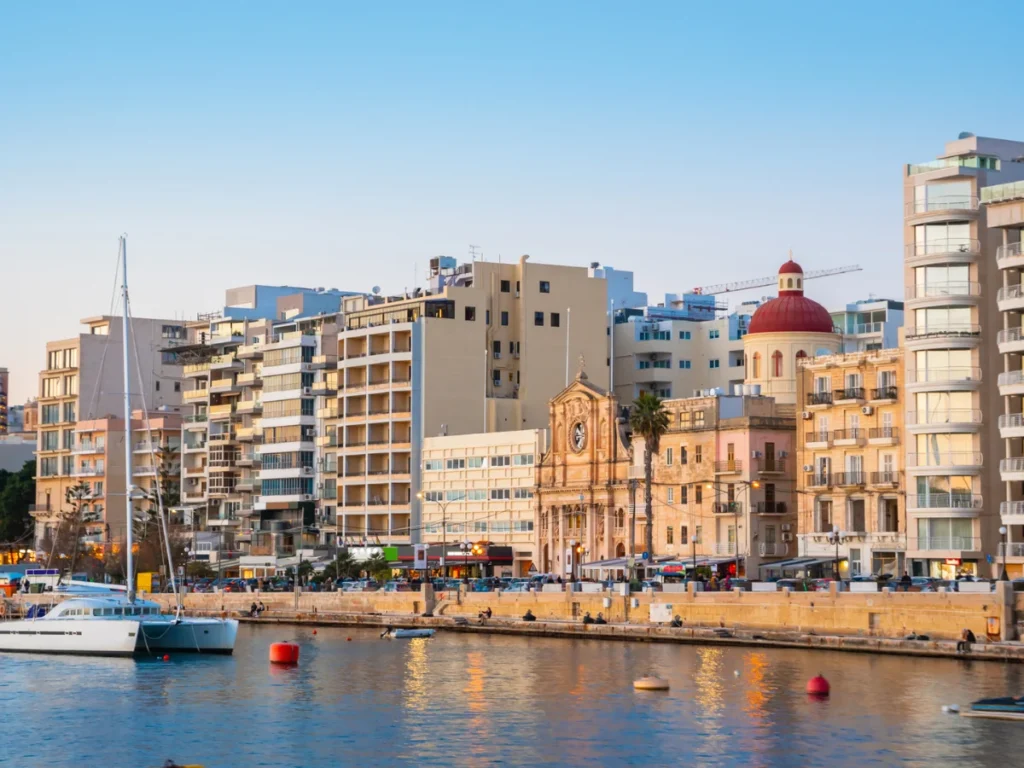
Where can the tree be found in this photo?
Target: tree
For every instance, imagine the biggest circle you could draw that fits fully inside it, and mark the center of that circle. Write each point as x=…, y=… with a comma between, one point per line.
x=649, y=420
x=17, y=494
x=377, y=567
x=343, y=567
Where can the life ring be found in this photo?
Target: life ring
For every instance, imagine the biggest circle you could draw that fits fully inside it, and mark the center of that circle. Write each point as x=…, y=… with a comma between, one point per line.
x=3, y=609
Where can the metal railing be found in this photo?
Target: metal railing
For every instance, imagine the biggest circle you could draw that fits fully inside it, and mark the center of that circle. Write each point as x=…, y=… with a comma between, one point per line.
x=951, y=203
x=890, y=392
x=944, y=246
x=848, y=393
x=1008, y=251
x=1010, y=292
x=1011, y=378
x=1009, y=335
x=819, y=398
x=727, y=507
x=942, y=329
x=1014, y=464
x=1011, y=549
x=849, y=478
x=817, y=436
x=890, y=477
x=773, y=549
x=771, y=465
x=728, y=466
x=949, y=289
x=724, y=548
x=944, y=500
x=770, y=507
x=818, y=480
x=1011, y=420
x=848, y=434
x=945, y=459
x=868, y=328
x=941, y=375
x=954, y=543
x=878, y=433
x=1011, y=508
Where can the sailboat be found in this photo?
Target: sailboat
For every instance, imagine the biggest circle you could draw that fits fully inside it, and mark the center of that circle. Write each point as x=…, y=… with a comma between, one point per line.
x=111, y=620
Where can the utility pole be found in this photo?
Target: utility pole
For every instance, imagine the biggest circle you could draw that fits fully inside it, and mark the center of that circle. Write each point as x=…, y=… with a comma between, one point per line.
x=633, y=483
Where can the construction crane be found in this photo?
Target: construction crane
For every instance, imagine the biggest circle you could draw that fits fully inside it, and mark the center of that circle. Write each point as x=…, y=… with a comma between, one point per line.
x=710, y=290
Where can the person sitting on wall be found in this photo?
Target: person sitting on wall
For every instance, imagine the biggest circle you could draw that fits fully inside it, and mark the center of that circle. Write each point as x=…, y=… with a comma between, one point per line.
x=260, y=608
x=254, y=611
x=676, y=622
x=528, y=616
x=600, y=619
x=485, y=614
x=964, y=643
x=587, y=618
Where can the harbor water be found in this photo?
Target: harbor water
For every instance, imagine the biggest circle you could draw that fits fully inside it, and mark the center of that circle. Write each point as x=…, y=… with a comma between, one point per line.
x=467, y=699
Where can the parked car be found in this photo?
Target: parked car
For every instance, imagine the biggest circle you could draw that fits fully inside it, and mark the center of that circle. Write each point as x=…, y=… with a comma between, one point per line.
x=518, y=586
x=797, y=585
x=656, y=586
x=397, y=586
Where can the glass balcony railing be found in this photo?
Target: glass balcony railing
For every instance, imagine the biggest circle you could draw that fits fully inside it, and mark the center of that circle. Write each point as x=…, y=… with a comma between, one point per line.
x=942, y=375
x=954, y=543
x=942, y=329
x=943, y=500
x=998, y=193
x=937, y=205
x=949, y=289
x=983, y=162
x=939, y=247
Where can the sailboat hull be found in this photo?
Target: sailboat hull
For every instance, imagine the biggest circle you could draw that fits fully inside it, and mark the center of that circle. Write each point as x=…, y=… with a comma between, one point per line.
x=91, y=638
x=191, y=635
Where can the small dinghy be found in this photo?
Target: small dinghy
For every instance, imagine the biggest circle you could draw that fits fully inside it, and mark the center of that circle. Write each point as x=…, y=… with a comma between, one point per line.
x=1003, y=708
x=401, y=634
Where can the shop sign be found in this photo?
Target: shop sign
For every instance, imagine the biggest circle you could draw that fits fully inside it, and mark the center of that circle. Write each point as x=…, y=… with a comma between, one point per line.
x=953, y=561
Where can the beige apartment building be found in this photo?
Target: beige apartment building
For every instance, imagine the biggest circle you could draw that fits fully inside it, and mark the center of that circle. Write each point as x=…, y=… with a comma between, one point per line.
x=82, y=381
x=957, y=380
x=850, y=453
x=1003, y=206
x=479, y=488
x=483, y=349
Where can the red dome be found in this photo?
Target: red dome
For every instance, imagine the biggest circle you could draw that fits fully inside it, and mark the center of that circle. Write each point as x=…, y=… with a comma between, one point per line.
x=791, y=313
x=790, y=267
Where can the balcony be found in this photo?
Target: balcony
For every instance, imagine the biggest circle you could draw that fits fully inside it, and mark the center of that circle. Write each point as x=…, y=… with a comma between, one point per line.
x=848, y=395
x=956, y=249
x=1011, y=425
x=885, y=479
x=946, y=290
x=247, y=434
x=248, y=459
x=86, y=448
x=944, y=500
x=1010, y=256
x=1011, y=549
x=195, y=369
x=867, y=329
x=331, y=412
x=1010, y=298
x=324, y=388
x=88, y=472
x=953, y=419
x=942, y=331
x=321, y=362
x=1012, y=469
x=194, y=471
x=249, y=406
x=849, y=479
x=194, y=495
x=1012, y=512
x=947, y=544
x=771, y=466
x=773, y=549
x=222, y=437
x=1011, y=383
x=956, y=206
x=249, y=352
x=883, y=435
x=251, y=380
x=728, y=467
x=817, y=439
x=1010, y=340
x=818, y=480
x=952, y=461
x=888, y=394
x=223, y=386
x=724, y=548
x=225, y=363
x=192, y=395
x=917, y=378
x=849, y=437
x=819, y=399
x=727, y=508
x=144, y=472
x=220, y=411
x=770, y=507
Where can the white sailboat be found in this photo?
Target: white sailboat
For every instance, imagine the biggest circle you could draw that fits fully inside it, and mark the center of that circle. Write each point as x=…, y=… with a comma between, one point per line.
x=111, y=621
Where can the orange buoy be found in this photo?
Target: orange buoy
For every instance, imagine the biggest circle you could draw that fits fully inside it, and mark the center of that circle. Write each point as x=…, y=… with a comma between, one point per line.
x=818, y=686
x=314, y=631
x=284, y=653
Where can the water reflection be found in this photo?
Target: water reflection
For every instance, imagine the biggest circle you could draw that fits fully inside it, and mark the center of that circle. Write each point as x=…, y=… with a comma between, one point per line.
x=470, y=700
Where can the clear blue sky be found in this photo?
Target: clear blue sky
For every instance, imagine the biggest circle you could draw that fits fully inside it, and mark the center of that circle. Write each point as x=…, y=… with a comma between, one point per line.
x=342, y=145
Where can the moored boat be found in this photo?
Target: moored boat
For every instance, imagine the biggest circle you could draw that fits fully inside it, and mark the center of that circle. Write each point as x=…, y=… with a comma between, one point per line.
x=403, y=634
x=1001, y=708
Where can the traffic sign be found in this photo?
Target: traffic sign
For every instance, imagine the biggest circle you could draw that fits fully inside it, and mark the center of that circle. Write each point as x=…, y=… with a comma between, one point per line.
x=646, y=555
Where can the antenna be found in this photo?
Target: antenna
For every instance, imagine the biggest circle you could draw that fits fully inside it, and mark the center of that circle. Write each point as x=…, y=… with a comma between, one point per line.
x=475, y=254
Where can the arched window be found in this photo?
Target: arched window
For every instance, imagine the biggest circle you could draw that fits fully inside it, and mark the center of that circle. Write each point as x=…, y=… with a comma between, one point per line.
x=801, y=355
x=789, y=283
x=799, y=283
x=776, y=363
x=755, y=367
x=746, y=370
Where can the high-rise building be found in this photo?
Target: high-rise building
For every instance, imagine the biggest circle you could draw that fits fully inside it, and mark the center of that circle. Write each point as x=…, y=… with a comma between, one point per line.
x=4, y=392
x=869, y=324
x=483, y=349
x=82, y=381
x=956, y=378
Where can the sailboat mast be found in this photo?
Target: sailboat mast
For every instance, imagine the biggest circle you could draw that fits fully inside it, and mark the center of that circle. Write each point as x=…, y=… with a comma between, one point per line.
x=127, y=420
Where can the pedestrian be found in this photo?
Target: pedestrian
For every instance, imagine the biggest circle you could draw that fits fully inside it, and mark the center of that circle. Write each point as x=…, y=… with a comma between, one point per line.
x=906, y=581
x=966, y=638
x=713, y=584
x=254, y=611
x=727, y=584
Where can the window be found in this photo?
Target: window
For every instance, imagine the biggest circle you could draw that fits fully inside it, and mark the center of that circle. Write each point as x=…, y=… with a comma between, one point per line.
x=698, y=423
x=48, y=467
x=432, y=496
x=169, y=358
x=506, y=286
x=523, y=460
x=500, y=494
x=698, y=451
x=684, y=496
x=698, y=534
x=50, y=441
x=496, y=349
x=669, y=539
x=476, y=495
x=68, y=439
x=668, y=457
x=684, y=335
x=432, y=465
x=698, y=493
x=172, y=332
x=556, y=320
x=545, y=286
x=670, y=495
x=777, y=363
x=538, y=318
x=496, y=377
x=684, y=364
x=487, y=316
x=475, y=462
x=501, y=461
x=157, y=385
x=824, y=516
x=714, y=363
x=713, y=333
x=682, y=455
x=643, y=364
x=470, y=313
x=685, y=419
x=177, y=386
x=455, y=464
x=49, y=414
x=454, y=495
x=51, y=387
x=524, y=493
x=755, y=366
x=479, y=526
x=504, y=318
x=501, y=526
x=522, y=526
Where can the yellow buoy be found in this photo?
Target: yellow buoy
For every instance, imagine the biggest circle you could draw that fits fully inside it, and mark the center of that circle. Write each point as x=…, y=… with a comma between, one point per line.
x=650, y=684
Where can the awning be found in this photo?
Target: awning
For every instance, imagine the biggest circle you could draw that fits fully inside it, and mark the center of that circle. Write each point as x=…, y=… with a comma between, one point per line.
x=622, y=563
x=683, y=563
x=796, y=564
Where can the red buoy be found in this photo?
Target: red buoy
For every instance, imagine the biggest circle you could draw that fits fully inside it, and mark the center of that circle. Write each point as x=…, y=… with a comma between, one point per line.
x=350, y=639
x=167, y=657
x=314, y=631
x=818, y=686
x=284, y=653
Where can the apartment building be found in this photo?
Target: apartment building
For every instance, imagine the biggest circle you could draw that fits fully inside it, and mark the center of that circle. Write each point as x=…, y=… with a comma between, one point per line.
x=683, y=345
x=957, y=380
x=82, y=381
x=850, y=454
x=480, y=488
x=869, y=324
x=5, y=384
x=483, y=349
x=255, y=371
x=1003, y=206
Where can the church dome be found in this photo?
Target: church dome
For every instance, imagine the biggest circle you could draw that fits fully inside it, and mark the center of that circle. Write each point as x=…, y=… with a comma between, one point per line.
x=791, y=312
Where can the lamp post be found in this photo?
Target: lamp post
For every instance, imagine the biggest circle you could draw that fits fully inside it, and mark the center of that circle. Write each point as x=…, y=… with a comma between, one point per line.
x=1003, y=530
x=693, y=543
x=835, y=537
x=633, y=483
x=444, y=532
x=714, y=485
x=466, y=547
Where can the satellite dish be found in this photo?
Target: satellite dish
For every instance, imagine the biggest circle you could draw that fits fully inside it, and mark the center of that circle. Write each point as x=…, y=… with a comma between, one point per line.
x=376, y=289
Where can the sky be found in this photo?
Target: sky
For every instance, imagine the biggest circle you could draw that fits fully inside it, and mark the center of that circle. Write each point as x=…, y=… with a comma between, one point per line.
x=343, y=145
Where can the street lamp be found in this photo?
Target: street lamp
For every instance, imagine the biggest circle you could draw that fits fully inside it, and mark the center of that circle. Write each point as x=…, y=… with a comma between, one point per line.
x=1003, y=530
x=835, y=537
x=581, y=551
x=693, y=543
x=466, y=547
x=444, y=531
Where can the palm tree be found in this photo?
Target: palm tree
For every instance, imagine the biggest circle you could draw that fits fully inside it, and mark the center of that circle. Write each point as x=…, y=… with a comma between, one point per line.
x=649, y=420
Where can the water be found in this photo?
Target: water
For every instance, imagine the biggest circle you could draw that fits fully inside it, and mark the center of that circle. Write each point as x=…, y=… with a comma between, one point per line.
x=476, y=700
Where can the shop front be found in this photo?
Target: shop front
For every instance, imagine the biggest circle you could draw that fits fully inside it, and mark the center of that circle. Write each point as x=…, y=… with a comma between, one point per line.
x=479, y=560
x=948, y=568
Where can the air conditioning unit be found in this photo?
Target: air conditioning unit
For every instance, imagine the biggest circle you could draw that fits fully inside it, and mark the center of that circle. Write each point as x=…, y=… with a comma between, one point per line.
x=786, y=527
x=307, y=470
x=755, y=454
x=808, y=467
x=497, y=355
x=307, y=390
x=787, y=537
x=307, y=497
x=515, y=355
x=806, y=415
x=783, y=454
x=867, y=410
